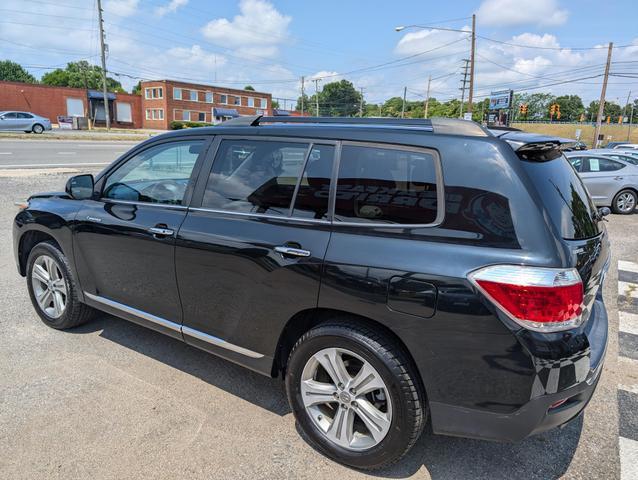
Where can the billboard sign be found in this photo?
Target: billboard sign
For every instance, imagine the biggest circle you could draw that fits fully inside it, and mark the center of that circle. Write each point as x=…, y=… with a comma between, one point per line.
x=501, y=100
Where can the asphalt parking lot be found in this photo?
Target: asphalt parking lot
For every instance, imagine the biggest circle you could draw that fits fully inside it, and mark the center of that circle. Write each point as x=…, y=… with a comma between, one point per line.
x=114, y=400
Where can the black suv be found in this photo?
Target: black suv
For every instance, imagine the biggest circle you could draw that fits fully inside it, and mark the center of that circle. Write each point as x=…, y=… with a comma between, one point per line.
x=387, y=270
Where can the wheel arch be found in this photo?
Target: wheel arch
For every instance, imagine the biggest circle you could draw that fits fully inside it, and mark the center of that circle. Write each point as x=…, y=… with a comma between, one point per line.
x=30, y=239
x=305, y=320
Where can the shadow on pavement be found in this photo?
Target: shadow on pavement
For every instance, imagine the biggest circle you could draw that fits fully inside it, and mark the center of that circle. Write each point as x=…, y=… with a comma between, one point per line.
x=545, y=456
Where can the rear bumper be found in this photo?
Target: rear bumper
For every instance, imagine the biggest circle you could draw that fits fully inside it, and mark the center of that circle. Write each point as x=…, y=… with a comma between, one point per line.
x=536, y=415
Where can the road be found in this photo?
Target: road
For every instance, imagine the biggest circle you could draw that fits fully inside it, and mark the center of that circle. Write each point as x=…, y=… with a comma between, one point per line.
x=114, y=400
x=60, y=153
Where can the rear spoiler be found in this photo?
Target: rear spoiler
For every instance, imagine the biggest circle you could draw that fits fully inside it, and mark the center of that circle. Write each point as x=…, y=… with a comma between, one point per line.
x=534, y=146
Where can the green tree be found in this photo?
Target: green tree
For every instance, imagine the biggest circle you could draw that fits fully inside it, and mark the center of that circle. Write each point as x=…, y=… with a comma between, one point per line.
x=137, y=89
x=306, y=104
x=571, y=107
x=537, y=104
x=612, y=109
x=81, y=75
x=249, y=87
x=13, y=72
x=274, y=103
x=339, y=99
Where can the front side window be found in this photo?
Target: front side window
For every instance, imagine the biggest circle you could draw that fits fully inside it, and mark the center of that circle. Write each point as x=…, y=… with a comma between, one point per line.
x=386, y=185
x=10, y=115
x=254, y=176
x=159, y=174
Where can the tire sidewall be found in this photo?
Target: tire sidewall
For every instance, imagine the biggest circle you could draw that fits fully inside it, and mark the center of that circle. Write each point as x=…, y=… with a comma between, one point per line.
x=617, y=210
x=395, y=442
x=50, y=250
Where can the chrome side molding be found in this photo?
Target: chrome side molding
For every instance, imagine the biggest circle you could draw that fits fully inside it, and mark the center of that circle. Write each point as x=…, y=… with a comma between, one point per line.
x=191, y=332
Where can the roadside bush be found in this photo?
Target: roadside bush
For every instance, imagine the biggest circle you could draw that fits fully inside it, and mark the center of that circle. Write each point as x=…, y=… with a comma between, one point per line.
x=177, y=125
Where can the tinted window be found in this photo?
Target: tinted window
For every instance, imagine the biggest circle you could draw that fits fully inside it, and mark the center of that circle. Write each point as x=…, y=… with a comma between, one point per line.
x=24, y=115
x=10, y=115
x=314, y=188
x=157, y=175
x=254, y=176
x=603, y=165
x=577, y=163
x=383, y=185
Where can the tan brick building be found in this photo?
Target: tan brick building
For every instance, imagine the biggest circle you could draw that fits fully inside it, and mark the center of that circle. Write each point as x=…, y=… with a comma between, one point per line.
x=165, y=101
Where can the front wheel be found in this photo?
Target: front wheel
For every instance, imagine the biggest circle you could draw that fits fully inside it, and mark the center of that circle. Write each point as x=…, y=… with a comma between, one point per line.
x=624, y=202
x=355, y=395
x=37, y=128
x=53, y=290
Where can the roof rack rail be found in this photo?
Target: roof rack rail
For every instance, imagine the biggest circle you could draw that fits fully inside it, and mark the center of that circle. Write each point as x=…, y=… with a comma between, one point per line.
x=452, y=126
x=255, y=120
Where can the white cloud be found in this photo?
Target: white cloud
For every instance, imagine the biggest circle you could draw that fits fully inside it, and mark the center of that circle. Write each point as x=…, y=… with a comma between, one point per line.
x=123, y=8
x=170, y=7
x=258, y=29
x=507, y=13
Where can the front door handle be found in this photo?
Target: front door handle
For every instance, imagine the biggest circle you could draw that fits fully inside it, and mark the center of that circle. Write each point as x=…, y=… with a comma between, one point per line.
x=161, y=231
x=292, y=252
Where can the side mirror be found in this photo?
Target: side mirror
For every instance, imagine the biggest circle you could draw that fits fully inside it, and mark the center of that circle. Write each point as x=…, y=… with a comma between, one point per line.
x=604, y=211
x=80, y=187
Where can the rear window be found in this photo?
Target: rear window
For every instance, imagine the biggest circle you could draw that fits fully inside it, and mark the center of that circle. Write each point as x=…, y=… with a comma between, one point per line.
x=386, y=185
x=565, y=197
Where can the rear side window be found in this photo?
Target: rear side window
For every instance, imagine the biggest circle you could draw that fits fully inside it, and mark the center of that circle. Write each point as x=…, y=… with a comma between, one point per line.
x=255, y=176
x=314, y=186
x=386, y=185
x=603, y=165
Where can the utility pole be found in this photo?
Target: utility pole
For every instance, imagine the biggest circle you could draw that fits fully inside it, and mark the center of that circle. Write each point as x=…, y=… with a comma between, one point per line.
x=361, y=103
x=601, y=105
x=464, y=82
x=631, y=119
x=624, y=109
x=303, y=93
x=317, y=80
x=107, y=116
x=427, y=98
x=470, y=96
x=405, y=91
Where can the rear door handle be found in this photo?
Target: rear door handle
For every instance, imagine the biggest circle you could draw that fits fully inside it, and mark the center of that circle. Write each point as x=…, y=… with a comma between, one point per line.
x=161, y=232
x=292, y=252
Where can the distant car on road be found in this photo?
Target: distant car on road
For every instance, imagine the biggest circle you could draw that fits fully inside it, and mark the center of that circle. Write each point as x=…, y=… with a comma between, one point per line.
x=24, y=122
x=612, y=182
x=576, y=146
x=625, y=146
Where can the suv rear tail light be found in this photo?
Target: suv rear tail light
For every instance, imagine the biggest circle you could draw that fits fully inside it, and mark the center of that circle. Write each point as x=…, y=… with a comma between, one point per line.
x=537, y=298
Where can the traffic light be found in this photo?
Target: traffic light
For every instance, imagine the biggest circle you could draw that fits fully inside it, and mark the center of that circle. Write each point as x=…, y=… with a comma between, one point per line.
x=524, y=108
x=552, y=110
x=557, y=112
x=521, y=108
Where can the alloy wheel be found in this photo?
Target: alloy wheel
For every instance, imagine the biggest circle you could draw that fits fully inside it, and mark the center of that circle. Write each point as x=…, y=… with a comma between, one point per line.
x=626, y=202
x=49, y=286
x=346, y=398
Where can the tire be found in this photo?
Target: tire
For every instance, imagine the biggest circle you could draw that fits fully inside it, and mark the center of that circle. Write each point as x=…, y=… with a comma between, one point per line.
x=624, y=202
x=37, y=128
x=74, y=313
x=405, y=404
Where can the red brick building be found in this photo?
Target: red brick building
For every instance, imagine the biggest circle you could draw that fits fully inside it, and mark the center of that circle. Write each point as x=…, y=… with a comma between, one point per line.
x=160, y=103
x=51, y=102
x=165, y=101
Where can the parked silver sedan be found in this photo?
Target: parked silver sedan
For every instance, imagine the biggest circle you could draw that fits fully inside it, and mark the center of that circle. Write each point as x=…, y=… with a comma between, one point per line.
x=24, y=122
x=612, y=182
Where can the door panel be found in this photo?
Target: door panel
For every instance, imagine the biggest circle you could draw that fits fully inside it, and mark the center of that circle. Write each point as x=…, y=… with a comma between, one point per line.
x=124, y=243
x=603, y=179
x=250, y=257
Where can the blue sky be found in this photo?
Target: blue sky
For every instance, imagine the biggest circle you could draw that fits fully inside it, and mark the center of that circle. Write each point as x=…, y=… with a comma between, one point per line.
x=271, y=44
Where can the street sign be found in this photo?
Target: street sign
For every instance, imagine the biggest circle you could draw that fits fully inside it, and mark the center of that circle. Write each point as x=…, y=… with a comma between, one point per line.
x=467, y=116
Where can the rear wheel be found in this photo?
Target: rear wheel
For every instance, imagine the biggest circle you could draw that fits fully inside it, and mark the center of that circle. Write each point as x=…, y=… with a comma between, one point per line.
x=53, y=290
x=37, y=128
x=624, y=202
x=355, y=395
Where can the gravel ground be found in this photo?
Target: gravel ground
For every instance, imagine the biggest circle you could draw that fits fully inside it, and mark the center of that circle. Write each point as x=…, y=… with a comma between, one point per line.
x=114, y=400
